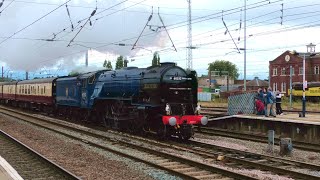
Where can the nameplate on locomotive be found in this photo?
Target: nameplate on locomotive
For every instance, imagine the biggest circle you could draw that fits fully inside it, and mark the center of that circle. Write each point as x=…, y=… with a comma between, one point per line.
x=150, y=86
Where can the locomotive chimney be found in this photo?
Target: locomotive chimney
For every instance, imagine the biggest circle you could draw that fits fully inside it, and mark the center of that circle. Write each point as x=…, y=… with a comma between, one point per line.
x=125, y=62
x=87, y=56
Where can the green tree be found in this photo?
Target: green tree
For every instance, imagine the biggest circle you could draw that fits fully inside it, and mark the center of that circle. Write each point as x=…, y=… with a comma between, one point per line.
x=156, y=59
x=223, y=65
x=119, y=63
x=73, y=73
x=107, y=64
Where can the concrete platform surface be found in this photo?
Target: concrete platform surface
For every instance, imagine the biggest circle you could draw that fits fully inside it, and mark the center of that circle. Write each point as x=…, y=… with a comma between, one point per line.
x=7, y=172
x=313, y=119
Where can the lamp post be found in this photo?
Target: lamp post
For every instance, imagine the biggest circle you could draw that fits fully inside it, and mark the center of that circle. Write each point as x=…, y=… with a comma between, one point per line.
x=310, y=52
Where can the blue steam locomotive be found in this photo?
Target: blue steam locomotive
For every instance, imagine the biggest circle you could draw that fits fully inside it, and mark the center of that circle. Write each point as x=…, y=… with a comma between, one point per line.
x=159, y=99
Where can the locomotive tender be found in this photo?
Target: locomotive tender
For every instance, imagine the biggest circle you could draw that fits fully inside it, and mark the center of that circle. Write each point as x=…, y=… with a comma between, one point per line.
x=160, y=99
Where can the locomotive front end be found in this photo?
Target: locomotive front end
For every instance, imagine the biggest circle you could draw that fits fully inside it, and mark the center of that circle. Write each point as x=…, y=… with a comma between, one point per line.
x=176, y=94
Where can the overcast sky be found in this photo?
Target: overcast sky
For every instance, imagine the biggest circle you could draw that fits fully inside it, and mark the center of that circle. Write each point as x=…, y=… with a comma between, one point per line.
x=34, y=34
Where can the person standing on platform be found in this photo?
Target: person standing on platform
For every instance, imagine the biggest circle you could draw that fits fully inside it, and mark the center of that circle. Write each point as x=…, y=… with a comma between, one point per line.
x=270, y=100
x=259, y=107
x=278, y=103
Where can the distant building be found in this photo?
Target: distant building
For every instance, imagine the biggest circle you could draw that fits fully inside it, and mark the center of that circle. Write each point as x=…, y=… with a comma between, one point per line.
x=255, y=84
x=279, y=70
x=216, y=80
x=203, y=81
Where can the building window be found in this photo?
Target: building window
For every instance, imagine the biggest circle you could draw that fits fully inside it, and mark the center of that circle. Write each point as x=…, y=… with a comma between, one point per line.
x=300, y=70
x=292, y=71
x=316, y=70
x=275, y=71
x=283, y=87
x=283, y=71
x=275, y=86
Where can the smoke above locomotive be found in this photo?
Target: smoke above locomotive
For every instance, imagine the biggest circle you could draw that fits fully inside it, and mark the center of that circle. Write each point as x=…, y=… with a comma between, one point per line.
x=41, y=45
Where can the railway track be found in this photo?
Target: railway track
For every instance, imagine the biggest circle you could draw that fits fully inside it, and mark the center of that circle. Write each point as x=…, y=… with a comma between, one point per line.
x=221, y=111
x=28, y=163
x=255, y=137
x=186, y=167
x=175, y=164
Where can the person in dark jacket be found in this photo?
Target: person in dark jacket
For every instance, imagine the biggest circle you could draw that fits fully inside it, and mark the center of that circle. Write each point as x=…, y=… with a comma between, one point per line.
x=278, y=103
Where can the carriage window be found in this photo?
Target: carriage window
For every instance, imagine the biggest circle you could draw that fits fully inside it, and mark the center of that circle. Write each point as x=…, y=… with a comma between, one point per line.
x=71, y=92
x=29, y=90
x=67, y=91
x=38, y=90
x=91, y=79
x=44, y=90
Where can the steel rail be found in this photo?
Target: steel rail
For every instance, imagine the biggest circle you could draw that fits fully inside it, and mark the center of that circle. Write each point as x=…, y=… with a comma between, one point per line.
x=26, y=155
x=254, y=137
x=238, y=160
x=189, y=164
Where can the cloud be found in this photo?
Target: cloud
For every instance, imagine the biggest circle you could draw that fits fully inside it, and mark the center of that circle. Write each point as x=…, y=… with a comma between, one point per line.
x=27, y=50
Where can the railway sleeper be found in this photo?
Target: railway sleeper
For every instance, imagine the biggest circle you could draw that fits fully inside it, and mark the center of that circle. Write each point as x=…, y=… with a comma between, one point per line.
x=169, y=163
x=198, y=173
x=186, y=169
x=209, y=176
x=176, y=166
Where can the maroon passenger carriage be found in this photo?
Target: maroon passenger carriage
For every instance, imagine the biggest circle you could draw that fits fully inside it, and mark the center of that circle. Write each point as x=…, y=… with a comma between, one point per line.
x=36, y=94
x=8, y=92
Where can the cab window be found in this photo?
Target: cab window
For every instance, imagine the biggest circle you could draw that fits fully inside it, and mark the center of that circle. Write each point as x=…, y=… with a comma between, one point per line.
x=91, y=79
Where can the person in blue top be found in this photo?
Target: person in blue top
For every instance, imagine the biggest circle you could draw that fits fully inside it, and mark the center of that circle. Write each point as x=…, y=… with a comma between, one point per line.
x=270, y=100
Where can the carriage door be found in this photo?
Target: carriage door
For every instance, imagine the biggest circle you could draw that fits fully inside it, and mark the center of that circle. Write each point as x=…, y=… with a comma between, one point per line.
x=84, y=98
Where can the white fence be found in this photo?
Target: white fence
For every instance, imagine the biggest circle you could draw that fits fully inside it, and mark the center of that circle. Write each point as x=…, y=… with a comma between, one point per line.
x=205, y=96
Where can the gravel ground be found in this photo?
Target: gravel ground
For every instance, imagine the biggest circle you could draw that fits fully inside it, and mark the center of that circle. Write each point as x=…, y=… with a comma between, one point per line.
x=79, y=158
x=140, y=171
x=255, y=147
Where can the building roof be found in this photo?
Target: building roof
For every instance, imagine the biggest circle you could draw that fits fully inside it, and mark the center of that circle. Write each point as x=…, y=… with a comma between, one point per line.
x=257, y=83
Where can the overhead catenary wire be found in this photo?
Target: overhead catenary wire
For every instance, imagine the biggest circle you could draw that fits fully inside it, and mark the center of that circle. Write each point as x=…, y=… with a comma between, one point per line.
x=1, y=3
x=17, y=32
x=39, y=39
x=68, y=12
x=218, y=14
x=91, y=15
x=227, y=30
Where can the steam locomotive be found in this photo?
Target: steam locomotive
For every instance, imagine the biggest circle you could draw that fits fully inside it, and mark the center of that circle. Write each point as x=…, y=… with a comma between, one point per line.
x=159, y=99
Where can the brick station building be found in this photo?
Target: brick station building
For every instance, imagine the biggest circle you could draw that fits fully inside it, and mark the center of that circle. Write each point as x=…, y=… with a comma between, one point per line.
x=279, y=70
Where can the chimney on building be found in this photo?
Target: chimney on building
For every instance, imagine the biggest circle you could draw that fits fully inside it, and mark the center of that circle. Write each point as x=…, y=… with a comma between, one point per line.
x=27, y=75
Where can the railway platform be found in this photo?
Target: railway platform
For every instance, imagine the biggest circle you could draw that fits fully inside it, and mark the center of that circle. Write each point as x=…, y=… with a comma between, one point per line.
x=7, y=172
x=290, y=125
